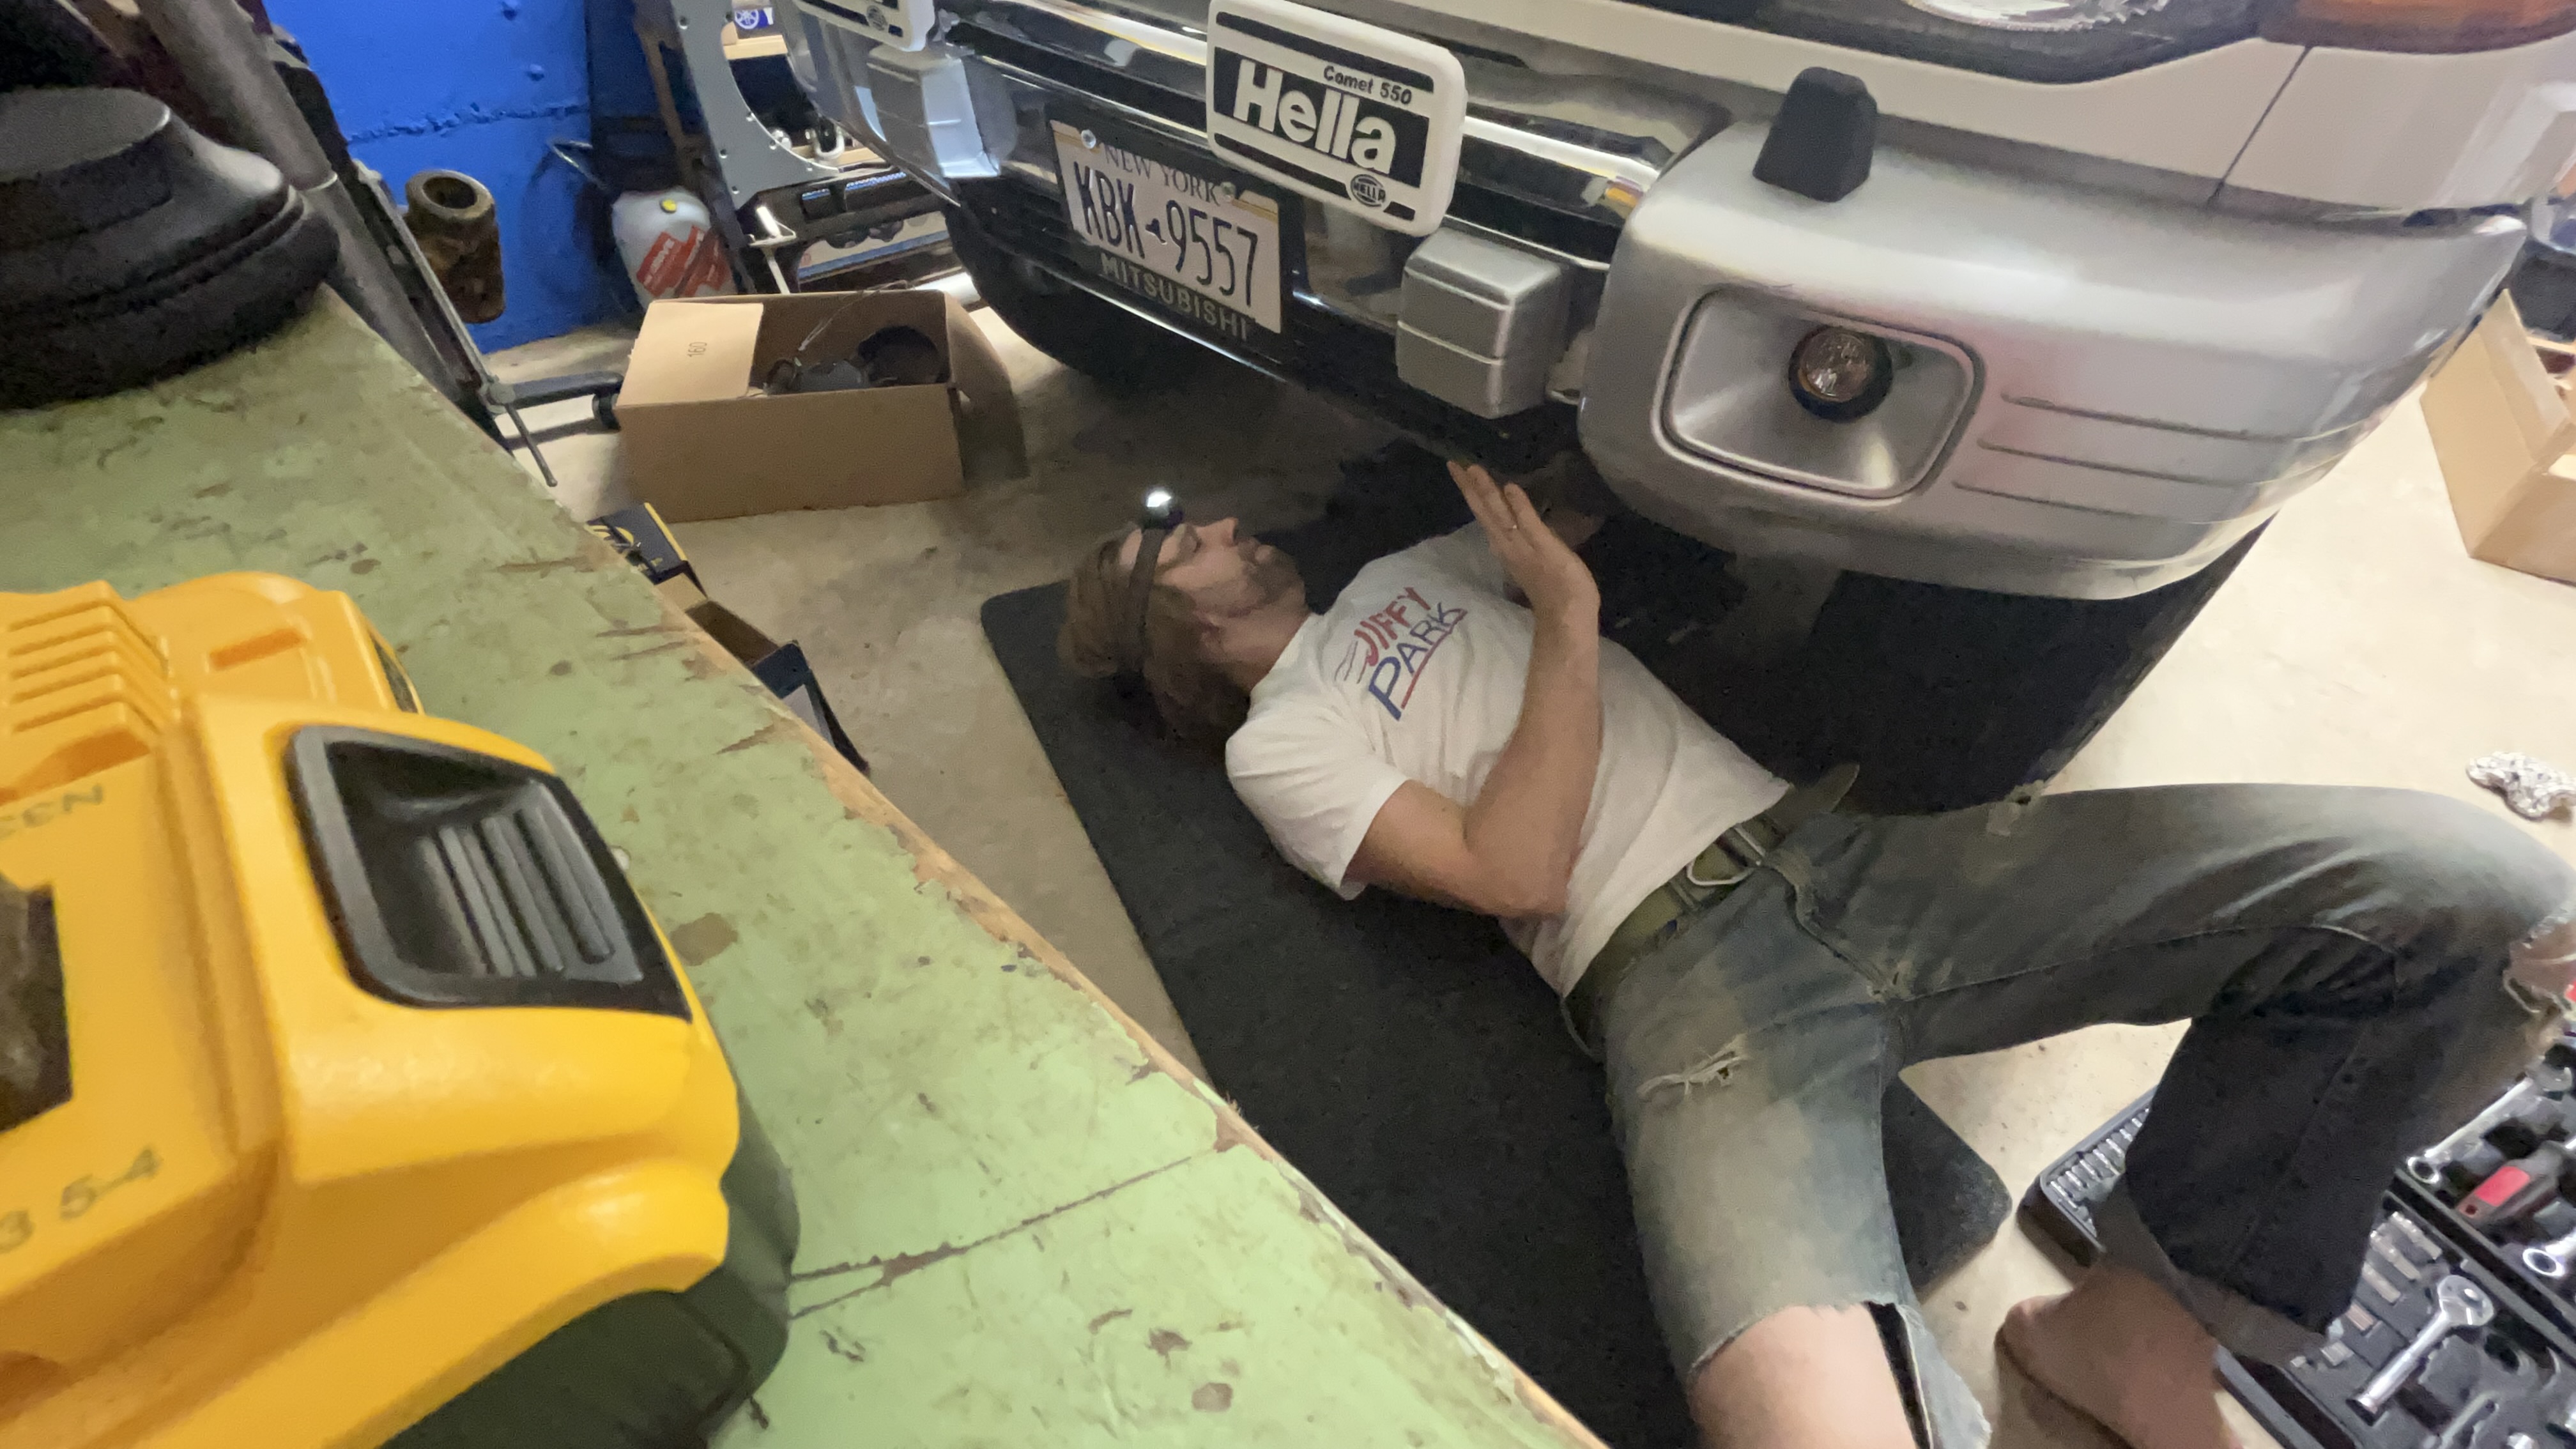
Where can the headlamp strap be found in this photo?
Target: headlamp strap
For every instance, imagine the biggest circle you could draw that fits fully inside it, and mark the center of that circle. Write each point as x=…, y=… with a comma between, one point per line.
x=1140, y=591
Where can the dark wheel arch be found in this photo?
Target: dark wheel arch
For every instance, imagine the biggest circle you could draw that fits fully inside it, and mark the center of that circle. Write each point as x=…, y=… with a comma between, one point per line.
x=1949, y=698
x=1121, y=351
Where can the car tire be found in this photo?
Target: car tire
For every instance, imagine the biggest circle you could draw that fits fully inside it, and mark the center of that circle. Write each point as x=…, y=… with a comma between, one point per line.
x=1948, y=698
x=1115, y=348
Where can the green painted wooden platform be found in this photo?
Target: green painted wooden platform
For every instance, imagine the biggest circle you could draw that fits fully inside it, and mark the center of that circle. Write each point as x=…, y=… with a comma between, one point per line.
x=1024, y=1223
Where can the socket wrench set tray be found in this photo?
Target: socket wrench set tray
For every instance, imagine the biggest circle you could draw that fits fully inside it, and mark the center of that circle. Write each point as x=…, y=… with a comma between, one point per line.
x=2462, y=1329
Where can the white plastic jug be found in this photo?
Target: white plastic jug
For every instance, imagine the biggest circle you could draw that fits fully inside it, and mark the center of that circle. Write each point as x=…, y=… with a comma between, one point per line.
x=669, y=245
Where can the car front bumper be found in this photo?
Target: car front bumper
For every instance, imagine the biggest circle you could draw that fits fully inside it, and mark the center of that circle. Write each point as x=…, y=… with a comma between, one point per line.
x=2100, y=393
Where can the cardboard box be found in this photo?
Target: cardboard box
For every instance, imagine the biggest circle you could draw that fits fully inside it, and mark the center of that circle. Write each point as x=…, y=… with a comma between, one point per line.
x=2503, y=434
x=701, y=439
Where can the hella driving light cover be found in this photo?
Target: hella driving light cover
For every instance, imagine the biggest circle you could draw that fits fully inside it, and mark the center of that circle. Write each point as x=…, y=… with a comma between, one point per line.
x=1351, y=114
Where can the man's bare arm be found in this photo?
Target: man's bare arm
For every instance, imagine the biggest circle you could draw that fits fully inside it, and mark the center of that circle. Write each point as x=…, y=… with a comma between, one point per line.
x=1511, y=852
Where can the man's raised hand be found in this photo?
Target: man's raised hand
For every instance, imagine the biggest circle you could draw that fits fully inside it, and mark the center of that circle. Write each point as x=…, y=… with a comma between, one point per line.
x=1548, y=574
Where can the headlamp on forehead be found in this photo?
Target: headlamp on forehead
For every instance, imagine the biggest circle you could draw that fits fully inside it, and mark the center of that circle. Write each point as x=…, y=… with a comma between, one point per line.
x=1160, y=514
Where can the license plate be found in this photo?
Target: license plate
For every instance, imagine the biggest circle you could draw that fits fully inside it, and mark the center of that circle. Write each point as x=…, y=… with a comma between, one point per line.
x=1196, y=246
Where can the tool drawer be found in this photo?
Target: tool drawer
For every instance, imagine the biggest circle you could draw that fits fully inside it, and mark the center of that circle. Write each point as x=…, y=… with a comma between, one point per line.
x=2504, y=1185
x=2452, y=1340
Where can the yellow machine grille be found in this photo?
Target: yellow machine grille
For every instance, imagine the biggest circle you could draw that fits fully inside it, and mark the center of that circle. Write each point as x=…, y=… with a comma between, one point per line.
x=84, y=690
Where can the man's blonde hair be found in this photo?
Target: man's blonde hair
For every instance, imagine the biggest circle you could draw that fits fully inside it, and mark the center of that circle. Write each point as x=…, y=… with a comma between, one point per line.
x=1192, y=695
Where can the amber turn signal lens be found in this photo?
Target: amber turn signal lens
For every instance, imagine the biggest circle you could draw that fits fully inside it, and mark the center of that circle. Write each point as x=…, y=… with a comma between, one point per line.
x=2428, y=27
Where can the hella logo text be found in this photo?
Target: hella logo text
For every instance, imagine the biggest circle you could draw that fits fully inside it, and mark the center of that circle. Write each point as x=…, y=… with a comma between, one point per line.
x=1344, y=124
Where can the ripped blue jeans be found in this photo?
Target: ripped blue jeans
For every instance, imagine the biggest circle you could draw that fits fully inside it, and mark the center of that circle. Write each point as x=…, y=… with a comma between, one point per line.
x=2360, y=967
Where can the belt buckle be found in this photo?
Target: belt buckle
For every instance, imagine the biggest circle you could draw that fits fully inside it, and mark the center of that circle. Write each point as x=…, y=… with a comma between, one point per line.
x=1737, y=843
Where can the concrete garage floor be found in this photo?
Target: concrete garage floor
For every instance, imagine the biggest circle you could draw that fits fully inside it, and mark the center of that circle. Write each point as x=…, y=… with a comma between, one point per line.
x=2357, y=645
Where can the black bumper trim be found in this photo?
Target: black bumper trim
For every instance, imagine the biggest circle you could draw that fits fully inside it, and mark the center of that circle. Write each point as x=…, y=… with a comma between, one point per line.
x=1317, y=350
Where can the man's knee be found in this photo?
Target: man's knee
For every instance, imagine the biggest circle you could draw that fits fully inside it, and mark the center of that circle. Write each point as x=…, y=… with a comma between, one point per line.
x=2460, y=884
x=1762, y=1387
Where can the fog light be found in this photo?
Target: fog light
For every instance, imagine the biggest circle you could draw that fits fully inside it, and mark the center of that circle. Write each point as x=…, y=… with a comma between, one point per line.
x=1839, y=374
x=1724, y=399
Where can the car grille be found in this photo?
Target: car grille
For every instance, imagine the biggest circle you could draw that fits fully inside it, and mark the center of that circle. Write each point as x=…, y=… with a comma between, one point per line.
x=1486, y=205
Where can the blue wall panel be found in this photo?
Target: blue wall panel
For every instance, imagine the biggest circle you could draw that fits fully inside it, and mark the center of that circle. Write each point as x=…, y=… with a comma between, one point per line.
x=479, y=87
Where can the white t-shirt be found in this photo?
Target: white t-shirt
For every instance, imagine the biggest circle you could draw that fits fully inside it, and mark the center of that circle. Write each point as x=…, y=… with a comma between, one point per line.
x=1416, y=673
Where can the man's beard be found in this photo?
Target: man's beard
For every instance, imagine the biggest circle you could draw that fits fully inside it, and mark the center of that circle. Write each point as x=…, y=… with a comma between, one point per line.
x=1274, y=577
x=1267, y=580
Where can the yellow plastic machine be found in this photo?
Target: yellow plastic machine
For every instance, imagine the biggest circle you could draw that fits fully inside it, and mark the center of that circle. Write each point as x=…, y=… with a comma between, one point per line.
x=347, y=1092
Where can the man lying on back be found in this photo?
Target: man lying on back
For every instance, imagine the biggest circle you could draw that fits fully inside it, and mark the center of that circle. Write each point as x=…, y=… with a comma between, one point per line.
x=1753, y=968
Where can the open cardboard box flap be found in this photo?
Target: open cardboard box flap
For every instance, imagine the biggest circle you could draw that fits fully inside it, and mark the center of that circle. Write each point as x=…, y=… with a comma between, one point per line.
x=740, y=637
x=703, y=441
x=2503, y=435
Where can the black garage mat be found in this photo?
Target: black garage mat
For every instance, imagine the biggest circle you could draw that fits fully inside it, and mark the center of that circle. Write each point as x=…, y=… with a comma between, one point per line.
x=1405, y=1057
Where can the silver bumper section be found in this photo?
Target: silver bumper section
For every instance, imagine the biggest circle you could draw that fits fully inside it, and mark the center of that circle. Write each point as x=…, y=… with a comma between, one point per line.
x=2138, y=383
